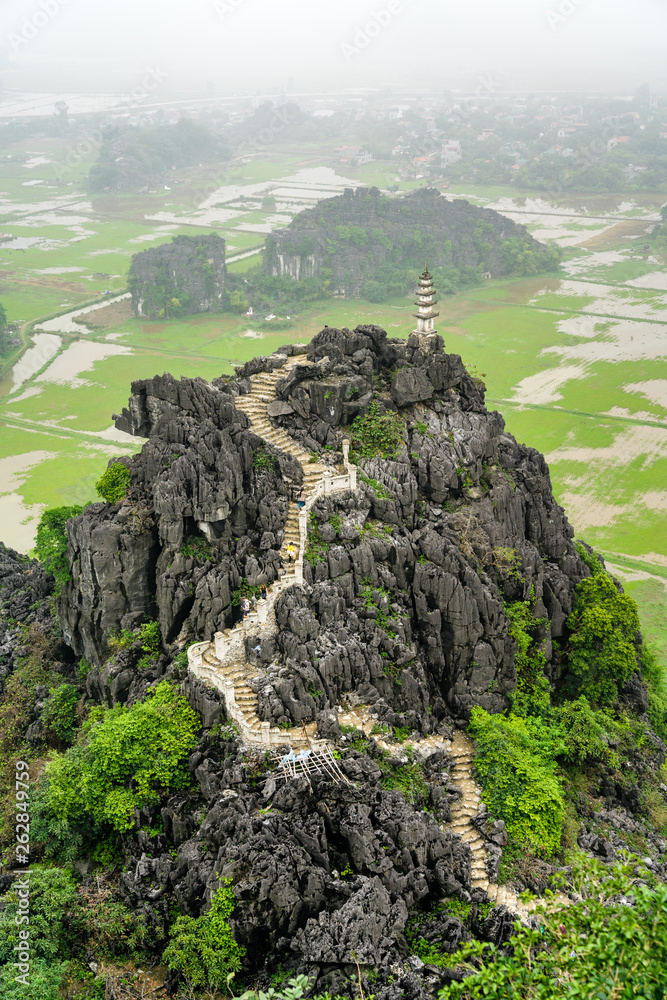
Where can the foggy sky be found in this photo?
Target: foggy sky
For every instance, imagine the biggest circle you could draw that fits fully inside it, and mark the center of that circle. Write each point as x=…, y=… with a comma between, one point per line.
x=260, y=46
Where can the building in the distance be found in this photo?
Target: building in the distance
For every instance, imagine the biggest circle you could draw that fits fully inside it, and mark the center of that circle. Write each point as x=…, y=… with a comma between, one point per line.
x=451, y=152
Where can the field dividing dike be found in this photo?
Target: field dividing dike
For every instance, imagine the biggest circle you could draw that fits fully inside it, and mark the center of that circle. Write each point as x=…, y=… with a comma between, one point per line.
x=580, y=413
x=616, y=317
x=28, y=329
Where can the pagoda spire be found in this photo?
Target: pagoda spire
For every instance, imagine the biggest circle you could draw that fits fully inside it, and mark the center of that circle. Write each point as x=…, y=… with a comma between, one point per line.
x=425, y=301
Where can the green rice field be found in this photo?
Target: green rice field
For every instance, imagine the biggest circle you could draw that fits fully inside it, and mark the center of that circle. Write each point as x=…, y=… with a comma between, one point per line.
x=575, y=362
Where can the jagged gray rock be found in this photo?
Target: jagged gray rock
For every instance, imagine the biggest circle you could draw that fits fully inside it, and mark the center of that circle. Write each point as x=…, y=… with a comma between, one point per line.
x=190, y=269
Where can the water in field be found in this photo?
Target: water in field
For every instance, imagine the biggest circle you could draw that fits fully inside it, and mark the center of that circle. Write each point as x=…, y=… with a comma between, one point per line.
x=68, y=324
x=44, y=346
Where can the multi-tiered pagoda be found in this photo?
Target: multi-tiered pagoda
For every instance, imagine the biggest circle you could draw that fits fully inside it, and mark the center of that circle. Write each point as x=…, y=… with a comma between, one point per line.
x=425, y=301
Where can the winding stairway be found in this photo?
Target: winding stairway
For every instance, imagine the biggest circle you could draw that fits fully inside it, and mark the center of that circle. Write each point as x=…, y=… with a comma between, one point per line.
x=223, y=664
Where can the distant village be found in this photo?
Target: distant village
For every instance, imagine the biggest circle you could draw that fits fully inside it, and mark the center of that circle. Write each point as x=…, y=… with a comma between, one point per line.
x=603, y=143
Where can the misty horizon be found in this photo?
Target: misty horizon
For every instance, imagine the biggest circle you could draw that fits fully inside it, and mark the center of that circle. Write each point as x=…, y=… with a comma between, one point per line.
x=254, y=47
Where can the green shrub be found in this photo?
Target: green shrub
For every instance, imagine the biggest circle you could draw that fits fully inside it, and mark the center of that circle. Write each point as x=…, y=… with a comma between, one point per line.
x=294, y=989
x=598, y=948
x=151, y=638
x=515, y=759
x=122, y=639
x=532, y=687
x=376, y=433
x=604, y=627
x=203, y=948
x=420, y=936
x=380, y=491
x=196, y=548
x=53, y=894
x=316, y=548
x=245, y=590
x=263, y=459
x=59, y=713
x=113, y=484
x=132, y=755
x=42, y=983
x=387, y=622
x=51, y=543
x=583, y=732
x=407, y=777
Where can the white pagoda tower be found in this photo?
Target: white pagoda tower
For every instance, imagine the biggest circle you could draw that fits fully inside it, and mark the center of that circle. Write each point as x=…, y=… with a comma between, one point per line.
x=425, y=301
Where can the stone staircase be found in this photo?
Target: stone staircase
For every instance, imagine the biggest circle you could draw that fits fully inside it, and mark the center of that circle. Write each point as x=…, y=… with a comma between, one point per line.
x=254, y=405
x=222, y=663
x=461, y=751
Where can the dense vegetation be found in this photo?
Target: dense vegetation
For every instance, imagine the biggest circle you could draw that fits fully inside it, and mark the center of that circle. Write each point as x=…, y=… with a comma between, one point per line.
x=113, y=484
x=128, y=756
x=51, y=542
x=367, y=243
x=599, y=947
x=137, y=158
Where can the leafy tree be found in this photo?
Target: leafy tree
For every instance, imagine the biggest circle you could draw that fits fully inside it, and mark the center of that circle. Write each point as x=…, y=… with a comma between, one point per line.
x=203, y=948
x=59, y=713
x=113, y=484
x=613, y=944
x=51, y=542
x=516, y=762
x=132, y=158
x=603, y=647
x=132, y=755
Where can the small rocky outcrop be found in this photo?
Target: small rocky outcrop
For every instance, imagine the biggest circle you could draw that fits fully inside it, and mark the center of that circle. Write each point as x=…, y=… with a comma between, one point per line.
x=183, y=277
x=324, y=873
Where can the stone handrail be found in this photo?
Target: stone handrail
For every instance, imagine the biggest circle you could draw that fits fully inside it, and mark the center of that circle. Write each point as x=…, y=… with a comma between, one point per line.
x=327, y=484
x=228, y=647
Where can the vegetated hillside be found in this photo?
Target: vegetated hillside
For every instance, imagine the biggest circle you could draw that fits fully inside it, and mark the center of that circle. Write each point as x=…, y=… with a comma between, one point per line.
x=138, y=158
x=180, y=278
x=446, y=591
x=365, y=243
